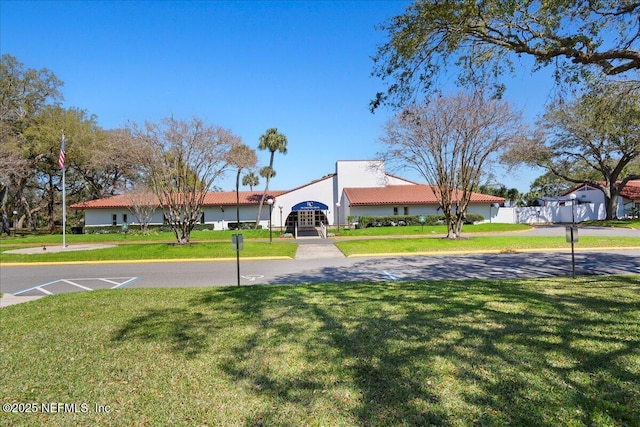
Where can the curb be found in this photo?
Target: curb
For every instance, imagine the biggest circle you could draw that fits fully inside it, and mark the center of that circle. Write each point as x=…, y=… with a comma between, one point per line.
x=491, y=251
x=142, y=261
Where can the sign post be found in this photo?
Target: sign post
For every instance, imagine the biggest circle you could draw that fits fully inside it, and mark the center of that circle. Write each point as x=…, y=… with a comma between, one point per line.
x=572, y=237
x=237, y=244
x=422, y=220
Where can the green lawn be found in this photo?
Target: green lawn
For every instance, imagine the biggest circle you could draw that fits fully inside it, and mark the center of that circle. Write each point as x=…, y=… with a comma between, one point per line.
x=216, y=244
x=539, y=352
x=160, y=251
x=196, y=236
x=478, y=243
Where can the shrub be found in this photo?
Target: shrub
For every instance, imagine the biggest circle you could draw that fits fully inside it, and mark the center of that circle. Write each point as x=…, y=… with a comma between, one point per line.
x=401, y=220
x=472, y=218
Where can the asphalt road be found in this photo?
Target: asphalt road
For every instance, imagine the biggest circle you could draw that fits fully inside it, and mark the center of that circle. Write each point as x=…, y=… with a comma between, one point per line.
x=45, y=280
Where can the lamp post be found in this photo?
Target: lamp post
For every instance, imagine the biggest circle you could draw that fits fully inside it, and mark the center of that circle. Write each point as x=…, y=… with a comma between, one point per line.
x=338, y=215
x=15, y=223
x=280, y=207
x=270, y=203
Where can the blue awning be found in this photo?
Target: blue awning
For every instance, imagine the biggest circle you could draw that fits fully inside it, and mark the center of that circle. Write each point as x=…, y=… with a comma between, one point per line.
x=310, y=205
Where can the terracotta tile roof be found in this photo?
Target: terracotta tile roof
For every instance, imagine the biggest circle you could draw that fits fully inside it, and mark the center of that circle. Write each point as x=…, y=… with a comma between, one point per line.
x=226, y=198
x=404, y=195
x=631, y=191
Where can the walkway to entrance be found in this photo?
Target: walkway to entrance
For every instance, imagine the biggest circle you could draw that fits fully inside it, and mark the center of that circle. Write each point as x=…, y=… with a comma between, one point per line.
x=317, y=249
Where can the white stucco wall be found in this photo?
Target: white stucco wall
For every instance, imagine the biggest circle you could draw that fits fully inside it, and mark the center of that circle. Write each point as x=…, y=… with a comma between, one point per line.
x=319, y=191
x=359, y=174
x=216, y=216
x=104, y=217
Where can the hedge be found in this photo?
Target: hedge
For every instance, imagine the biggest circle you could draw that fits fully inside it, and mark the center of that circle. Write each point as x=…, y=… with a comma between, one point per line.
x=402, y=220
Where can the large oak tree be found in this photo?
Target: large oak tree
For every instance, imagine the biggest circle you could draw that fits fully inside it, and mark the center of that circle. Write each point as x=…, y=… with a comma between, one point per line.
x=593, y=139
x=483, y=40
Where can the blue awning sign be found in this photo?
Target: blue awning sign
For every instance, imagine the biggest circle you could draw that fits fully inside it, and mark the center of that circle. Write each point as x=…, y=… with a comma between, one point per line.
x=310, y=205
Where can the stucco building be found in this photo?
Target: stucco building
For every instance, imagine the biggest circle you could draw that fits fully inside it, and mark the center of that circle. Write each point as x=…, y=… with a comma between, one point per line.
x=357, y=187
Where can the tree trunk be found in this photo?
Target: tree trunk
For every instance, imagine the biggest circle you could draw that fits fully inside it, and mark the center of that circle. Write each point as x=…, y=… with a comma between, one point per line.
x=610, y=192
x=266, y=189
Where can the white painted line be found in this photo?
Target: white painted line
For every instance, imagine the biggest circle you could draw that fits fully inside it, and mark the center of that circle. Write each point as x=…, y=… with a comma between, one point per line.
x=44, y=291
x=252, y=277
x=76, y=284
x=38, y=287
x=125, y=283
x=389, y=275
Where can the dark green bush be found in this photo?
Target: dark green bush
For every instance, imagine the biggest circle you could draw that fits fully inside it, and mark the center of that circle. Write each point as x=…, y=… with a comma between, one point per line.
x=402, y=220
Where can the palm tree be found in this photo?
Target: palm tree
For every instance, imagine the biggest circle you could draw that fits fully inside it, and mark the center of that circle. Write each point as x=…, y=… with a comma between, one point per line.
x=273, y=141
x=250, y=179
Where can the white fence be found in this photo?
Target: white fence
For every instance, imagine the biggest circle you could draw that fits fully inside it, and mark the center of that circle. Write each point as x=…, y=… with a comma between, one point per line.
x=550, y=214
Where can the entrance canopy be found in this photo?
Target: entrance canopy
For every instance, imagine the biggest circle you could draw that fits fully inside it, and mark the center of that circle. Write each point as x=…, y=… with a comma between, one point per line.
x=310, y=205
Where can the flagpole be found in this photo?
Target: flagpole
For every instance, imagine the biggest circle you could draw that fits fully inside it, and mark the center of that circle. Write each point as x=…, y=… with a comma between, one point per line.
x=64, y=210
x=61, y=165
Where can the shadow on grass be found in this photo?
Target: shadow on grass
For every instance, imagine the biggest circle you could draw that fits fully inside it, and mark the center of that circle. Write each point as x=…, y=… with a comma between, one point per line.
x=441, y=353
x=541, y=352
x=183, y=330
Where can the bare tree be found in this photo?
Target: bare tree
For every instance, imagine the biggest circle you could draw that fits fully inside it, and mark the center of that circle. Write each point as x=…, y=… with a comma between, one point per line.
x=452, y=142
x=142, y=204
x=241, y=157
x=183, y=160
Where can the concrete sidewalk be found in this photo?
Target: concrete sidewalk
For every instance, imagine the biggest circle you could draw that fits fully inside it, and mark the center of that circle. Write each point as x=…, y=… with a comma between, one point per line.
x=317, y=249
x=8, y=299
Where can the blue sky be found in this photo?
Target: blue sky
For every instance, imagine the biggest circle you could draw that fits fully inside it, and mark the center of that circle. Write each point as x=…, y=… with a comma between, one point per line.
x=301, y=66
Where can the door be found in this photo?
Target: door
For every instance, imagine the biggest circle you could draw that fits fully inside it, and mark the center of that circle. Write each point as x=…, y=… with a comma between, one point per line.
x=306, y=219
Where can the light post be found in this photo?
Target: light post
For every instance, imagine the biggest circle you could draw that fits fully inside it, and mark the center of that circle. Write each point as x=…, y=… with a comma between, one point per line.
x=270, y=203
x=338, y=215
x=15, y=223
x=280, y=207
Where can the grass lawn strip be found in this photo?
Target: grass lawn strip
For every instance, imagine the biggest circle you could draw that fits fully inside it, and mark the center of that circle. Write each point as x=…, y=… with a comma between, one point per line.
x=478, y=244
x=287, y=248
x=160, y=251
x=478, y=352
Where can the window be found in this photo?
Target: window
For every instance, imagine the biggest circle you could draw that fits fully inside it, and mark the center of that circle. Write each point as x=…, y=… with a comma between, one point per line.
x=406, y=211
x=202, y=218
x=114, y=219
x=124, y=218
x=395, y=210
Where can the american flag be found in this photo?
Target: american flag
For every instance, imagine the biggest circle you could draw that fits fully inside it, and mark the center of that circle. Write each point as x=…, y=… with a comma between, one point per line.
x=62, y=154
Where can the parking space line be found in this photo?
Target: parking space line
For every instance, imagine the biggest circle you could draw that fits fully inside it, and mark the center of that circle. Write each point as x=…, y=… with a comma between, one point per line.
x=37, y=287
x=123, y=284
x=44, y=291
x=75, y=284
